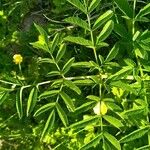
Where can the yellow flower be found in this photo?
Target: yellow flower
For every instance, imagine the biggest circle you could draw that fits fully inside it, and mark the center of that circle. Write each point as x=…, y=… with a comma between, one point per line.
x=17, y=59
x=100, y=108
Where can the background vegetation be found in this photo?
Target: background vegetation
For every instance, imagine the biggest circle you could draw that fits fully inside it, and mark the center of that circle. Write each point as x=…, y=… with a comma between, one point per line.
x=74, y=74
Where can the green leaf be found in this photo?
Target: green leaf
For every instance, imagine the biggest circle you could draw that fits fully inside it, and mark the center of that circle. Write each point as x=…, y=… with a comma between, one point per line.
x=93, y=97
x=145, y=36
x=143, y=19
x=146, y=147
x=123, y=5
x=102, y=19
x=144, y=11
x=42, y=32
x=68, y=65
x=46, y=60
x=93, y=142
x=107, y=145
x=54, y=42
x=113, y=52
x=93, y=5
x=32, y=100
x=134, y=135
x=3, y=97
x=85, y=107
x=38, y=45
x=101, y=44
x=53, y=73
x=49, y=124
x=112, y=140
x=68, y=101
x=106, y=31
x=57, y=83
x=84, y=82
x=114, y=107
x=140, y=53
x=123, y=85
x=78, y=21
x=72, y=86
x=78, y=5
x=2, y=89
x=82, y=64
x=122, y=32
x=113, y=121
x=85, y=122
x=43, y=109
x=136, y=35
x=134, y=111
x=48, y=94
x=79, y=40
x=19, y=102
x=130, y=62
x=62, y=115
x=61, y=52
x=123, y=71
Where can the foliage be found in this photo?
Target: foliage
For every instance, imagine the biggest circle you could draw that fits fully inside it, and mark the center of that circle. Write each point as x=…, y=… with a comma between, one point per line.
x=81, y=76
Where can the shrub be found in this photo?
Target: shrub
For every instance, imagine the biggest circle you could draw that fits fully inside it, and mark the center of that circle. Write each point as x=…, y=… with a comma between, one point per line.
x=78, y=83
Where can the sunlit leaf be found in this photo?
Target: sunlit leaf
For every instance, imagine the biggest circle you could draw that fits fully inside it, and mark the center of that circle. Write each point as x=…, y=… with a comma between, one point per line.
x=68, y=101
x=134, y=135
x=93, y=142
x=112, y=54
x=78, y=5
x=47, y=94
x=78, y=40
x=32, y=99
x=84, y=107
x=3, y=97
x=44, y=108
x=78, y=21
x=60, y=52
x=102, y=19
x=112, y=140
x=72, y=86
x=85, y=122
x=19, y=102
x=49, y=124
x=62, y=115
x=113, y=121
x=93, y=97
x=82, y=64
x=53, y=73
x=106, y=31
x=146, y=147
x=54, y=42
x=68, y=65
x=93, y=5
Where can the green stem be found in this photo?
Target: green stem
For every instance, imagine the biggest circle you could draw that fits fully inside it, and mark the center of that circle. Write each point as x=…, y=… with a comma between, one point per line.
x=133, y=19
x=116, y=17
x=140, y=67
x=57, y=66
x=55, y=62
x=92, y=38
x=20, y=69
x=145, y=97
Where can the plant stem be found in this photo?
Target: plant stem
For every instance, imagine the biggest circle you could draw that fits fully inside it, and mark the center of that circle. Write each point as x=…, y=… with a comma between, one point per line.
x=55, y=62
x=140, y=67
x=133, y=19
x=92, y=38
